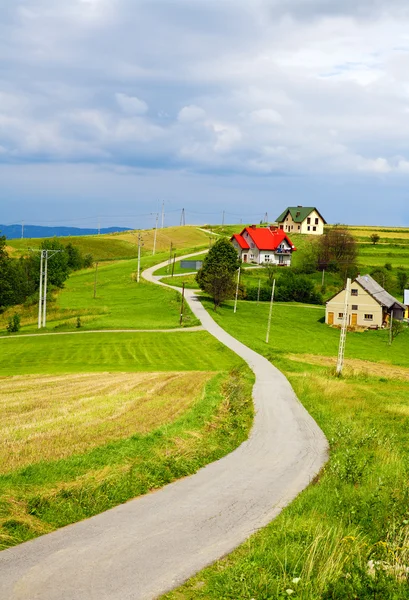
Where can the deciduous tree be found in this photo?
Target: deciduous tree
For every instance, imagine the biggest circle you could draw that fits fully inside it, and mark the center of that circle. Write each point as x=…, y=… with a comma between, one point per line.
x=216, y=277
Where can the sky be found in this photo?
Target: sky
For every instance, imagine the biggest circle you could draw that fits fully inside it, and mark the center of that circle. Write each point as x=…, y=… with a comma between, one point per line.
x=109, y=108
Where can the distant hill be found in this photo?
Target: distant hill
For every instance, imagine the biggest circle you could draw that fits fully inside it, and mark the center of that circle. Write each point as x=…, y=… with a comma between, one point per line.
x=37, y=231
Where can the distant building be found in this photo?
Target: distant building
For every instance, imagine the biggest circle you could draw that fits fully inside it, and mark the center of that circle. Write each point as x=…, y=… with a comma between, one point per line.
x=263, y=245
x=369, y=305
x=302, y=219
x=406, y=303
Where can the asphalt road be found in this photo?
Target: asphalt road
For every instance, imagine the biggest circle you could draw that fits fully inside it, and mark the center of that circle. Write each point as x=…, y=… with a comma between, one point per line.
x=151, y=544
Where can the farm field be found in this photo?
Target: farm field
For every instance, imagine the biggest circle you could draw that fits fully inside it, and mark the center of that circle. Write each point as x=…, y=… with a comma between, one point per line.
x=97, y=419
x=120, y=246
x=120, y=301
x=347, y=535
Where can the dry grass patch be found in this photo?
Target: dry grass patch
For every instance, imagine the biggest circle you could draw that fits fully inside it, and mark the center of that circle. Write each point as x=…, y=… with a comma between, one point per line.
x=355, y=366
x=179, y=236
x=52, y=417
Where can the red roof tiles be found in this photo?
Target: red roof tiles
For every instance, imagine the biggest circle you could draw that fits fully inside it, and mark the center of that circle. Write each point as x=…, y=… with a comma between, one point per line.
x=263, y=237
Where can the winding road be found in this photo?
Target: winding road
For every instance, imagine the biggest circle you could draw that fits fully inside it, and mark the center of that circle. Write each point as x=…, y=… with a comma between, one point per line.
x=149, y=545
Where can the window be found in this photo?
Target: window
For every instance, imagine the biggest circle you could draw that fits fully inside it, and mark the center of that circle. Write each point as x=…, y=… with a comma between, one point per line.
x=355, y=307
x=354, y=292
x=308, y=228
x=299, y=226
x=267, y=258
x=251, y=256
x=340, y=315
x=314, y=228
x=309, y=220
x=368, y=317
x=316, y=221
x=292, y=226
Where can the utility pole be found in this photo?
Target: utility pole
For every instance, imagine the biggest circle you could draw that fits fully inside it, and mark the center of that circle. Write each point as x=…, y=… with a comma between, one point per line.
x=42, y=296
x=270, y=312
x=138, y=272
x=99, y=226
x=390, y=328
x=182, y=303
x=237, y=290
x=223, y=219
x=22, y=230
x=342, y=339
x=156, y=231
x=323, y=277
x=173, y=264
x=163, y=213
x=95, y=280
x=258, y=291
x=170, y=257
x=182, y=217
x=266, y=218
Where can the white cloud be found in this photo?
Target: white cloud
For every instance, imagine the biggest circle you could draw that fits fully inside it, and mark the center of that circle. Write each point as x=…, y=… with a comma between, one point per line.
x=191, y=114
x=131, y=105
x=266, y=116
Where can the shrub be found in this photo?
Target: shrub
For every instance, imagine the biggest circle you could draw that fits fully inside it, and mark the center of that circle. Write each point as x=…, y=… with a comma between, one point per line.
x=14, y=324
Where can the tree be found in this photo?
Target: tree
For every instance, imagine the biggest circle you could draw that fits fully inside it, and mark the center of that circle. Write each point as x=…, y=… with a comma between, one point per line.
x=216, y=277
x=383, y=277
x=403, y=279
x=337, y=251
x=271, y=272
x=375, y=238
x=57, y=268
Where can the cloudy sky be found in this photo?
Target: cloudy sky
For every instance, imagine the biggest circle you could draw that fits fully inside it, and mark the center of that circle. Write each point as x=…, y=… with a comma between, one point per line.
x=109, y=107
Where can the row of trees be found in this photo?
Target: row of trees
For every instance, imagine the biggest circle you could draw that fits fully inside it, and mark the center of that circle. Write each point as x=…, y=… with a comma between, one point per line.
x=19, y=278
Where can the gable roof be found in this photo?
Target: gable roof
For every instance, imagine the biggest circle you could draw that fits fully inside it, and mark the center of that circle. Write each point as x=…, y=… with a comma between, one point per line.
x=377, y=292
x=241, y=241
x=299, y=213
x=263, y=237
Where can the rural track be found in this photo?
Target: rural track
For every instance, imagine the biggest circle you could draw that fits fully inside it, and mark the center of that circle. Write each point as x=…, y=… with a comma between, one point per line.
x=141, y=549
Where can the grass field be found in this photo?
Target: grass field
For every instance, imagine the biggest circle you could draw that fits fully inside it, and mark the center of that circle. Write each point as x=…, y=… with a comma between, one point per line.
x=100, y=352
x=119, y=246
x=347, y=535
x=161, y=406
x=120, y=302
x=120, y=449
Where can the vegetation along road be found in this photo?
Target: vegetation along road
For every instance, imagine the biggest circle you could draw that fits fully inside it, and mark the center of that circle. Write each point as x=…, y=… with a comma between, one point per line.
x=149, y=545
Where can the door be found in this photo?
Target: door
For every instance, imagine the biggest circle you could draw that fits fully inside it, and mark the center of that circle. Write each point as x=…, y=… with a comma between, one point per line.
x=244, y=257
x=330, y=318
x=354, y=320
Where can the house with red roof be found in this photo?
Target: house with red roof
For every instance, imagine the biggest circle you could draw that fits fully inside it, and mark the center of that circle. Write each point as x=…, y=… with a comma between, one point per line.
x=263, y=245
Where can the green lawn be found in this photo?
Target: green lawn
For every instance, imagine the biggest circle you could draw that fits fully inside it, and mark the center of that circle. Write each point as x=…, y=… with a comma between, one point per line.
x=91, y=352
x=356, y=511
x=299, y=328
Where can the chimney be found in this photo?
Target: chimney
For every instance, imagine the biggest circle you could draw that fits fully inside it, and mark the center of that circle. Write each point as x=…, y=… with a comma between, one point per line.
x=273, y=228
x=253, y=226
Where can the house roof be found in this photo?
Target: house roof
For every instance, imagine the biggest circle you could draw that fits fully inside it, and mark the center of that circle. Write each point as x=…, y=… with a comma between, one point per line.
x=263, y=237
x=298, y=213
x=377, y=292
x=241, y=241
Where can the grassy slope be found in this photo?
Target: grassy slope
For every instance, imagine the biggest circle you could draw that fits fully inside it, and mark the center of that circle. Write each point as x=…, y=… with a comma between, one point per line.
x=117, y=246
x=121, y=302
x=319, y=547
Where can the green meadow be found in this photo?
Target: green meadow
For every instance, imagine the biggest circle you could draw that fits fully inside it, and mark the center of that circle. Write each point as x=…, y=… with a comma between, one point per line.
x=347, y=535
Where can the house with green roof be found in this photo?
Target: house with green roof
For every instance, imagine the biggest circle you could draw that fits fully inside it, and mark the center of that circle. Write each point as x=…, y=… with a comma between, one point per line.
x=302, y=219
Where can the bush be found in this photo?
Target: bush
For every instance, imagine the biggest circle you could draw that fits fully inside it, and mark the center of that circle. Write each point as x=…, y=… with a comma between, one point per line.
x=14, y=324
